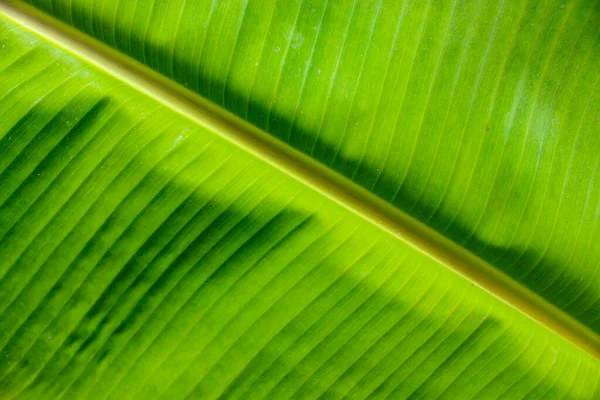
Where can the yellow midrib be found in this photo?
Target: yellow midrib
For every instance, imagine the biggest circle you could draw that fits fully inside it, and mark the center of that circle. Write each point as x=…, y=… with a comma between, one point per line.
x=307, y=170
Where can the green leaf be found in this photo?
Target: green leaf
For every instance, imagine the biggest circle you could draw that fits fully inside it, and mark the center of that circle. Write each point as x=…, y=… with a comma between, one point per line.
x=154, y=246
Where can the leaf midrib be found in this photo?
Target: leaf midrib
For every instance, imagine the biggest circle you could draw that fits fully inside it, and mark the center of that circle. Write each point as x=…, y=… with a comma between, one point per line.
x=305, y=169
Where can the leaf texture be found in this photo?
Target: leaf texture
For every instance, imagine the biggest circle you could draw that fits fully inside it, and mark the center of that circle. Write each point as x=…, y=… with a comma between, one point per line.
x=144, y=256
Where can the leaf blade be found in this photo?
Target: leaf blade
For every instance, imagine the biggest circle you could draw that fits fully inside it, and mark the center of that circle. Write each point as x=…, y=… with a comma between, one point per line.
x=294, y=379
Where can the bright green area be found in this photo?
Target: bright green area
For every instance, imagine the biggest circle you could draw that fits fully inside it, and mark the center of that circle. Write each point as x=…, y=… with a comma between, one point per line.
x=479, y=117
x=143, y=256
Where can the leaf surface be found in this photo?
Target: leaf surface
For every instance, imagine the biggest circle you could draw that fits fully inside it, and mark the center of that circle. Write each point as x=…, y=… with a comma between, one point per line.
x=145, y=253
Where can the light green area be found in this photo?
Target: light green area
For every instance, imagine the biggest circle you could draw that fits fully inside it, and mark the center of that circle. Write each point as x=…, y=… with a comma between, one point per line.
x=143, y=256
x=481, y=118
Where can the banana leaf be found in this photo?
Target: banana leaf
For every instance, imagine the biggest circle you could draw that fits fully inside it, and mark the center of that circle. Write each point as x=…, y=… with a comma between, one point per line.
x=379, y=199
